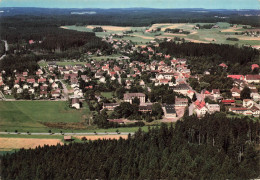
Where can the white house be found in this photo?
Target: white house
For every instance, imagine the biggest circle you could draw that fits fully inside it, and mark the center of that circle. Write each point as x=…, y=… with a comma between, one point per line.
x=248, y=103
x=25, y=86
x=255, y=96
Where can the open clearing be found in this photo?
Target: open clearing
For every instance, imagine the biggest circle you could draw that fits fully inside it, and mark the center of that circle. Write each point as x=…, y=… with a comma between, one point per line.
x=18, y=143
x=174, y=34
x=231, y=29
x=250, y=38
x=102, y=137
x=28, y=115
x=219, y=35
x=111, y=28
x=210, y=39
x=144, y=37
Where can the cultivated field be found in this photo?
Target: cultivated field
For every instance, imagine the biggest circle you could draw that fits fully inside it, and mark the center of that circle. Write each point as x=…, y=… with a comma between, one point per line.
x=217, y=35
x=102, y=137
x=7, y=144
x=111, y=28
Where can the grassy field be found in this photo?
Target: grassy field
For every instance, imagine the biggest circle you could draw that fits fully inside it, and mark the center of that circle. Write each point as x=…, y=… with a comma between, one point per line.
x=72, y=63
x=28, y=115
x=218, y=35
x=108, y=95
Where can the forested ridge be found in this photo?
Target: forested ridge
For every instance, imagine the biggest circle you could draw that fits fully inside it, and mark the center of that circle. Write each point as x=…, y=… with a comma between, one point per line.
x=214, y=147
x=203, y=57
x=135, y=16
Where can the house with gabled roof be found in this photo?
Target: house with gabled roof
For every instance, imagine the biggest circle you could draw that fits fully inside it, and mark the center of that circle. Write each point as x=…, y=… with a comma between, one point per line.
x=235, y=92
x=200, y=108
x=254, y=66
x=248, y=103
x=223, y=65
x=240, y=77
x=128, y=97
x=252, y=78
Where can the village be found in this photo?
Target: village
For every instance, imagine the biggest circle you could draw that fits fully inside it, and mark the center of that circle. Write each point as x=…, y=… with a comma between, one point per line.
x=128, y=80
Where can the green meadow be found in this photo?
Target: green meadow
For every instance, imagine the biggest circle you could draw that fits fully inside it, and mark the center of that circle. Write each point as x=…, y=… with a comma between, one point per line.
x=217, y=35
x=26, y=116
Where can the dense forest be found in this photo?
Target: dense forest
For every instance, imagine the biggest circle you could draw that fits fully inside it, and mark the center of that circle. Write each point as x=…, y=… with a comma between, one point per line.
x=20, y=64
x=134, y=16
x=2, y=48
x=203, y=57
x=46, y=34
x=214, y=147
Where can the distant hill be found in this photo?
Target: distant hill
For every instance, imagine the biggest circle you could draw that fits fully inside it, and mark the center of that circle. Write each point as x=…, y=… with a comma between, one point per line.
x=137, y=16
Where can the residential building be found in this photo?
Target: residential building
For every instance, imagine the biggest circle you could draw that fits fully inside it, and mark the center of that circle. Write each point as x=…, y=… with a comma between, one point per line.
x=128, y=97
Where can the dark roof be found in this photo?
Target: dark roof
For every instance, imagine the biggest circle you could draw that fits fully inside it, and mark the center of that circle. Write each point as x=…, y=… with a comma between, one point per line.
x=133, y=95
x=170, y=108
x=110, y=104
x=74, y=100
x=181, y=87
x=147, y=108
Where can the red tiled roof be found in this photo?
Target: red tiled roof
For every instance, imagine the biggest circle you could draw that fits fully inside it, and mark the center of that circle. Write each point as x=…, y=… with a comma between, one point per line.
x=31, y=80
x=228, y=101
x=238, y=109
x=236, y=76
x=223, y=65
x=252, y=77
x=254, y=66
x=200, y=104
x=42, y=80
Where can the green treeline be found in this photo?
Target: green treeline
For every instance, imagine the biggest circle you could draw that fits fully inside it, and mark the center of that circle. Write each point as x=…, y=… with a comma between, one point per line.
x=203, y=57
x=214, y=147
x=168, y=30
x=133, y=16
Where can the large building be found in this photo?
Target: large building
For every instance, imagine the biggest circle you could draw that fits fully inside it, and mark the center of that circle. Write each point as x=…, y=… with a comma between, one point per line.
x=128, y=97
x=169, y=111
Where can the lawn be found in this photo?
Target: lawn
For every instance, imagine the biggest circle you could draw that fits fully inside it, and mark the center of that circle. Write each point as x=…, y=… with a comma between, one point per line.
x=28, y=115
x=108, y=95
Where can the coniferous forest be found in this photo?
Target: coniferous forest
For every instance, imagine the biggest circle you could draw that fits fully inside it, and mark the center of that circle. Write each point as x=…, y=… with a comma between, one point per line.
x=214, y=147
x=203, y=57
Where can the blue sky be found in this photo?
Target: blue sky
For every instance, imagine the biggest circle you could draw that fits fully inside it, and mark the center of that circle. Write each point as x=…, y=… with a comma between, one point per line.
x=208, y=4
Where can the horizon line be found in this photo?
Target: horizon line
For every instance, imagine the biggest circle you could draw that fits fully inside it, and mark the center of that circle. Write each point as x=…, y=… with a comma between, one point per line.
x=123, y=8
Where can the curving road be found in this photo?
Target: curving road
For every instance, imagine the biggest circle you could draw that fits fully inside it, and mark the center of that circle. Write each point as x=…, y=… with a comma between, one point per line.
x=6, y=49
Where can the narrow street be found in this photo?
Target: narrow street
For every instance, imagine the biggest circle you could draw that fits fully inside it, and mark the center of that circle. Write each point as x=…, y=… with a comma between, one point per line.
x=64, y=91
x=6, y=49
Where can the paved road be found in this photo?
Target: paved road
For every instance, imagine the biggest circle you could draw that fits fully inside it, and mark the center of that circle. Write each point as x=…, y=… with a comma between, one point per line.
x=6, y=49
x=191, y=108
x=98, y=133
x=65, y=90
